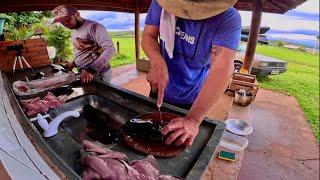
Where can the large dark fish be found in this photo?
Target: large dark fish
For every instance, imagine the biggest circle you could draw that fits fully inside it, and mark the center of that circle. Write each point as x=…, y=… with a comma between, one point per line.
x=146, y=129
x=98, y=120
x=67, y=89
x=38, y=75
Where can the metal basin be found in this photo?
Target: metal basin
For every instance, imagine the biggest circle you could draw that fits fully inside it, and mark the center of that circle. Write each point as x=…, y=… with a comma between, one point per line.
x=243, y=98
x=239, y=127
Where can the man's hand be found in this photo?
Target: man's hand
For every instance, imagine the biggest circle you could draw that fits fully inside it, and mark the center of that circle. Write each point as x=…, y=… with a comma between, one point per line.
x=158, y=75
x=158, y=78
x=86, y=77
x=69, y=66
x=184, y=130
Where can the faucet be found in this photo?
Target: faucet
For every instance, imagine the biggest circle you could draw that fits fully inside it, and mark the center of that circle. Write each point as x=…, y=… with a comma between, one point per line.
x=51, y=129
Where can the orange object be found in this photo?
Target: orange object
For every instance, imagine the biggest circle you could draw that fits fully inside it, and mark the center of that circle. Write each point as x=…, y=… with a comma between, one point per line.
x=243, y=71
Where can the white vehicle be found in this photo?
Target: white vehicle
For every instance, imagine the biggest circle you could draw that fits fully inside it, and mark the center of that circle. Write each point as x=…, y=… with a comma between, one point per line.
x=262, y=65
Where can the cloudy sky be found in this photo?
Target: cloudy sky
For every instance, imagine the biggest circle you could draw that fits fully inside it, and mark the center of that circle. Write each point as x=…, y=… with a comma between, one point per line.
x=301, y=23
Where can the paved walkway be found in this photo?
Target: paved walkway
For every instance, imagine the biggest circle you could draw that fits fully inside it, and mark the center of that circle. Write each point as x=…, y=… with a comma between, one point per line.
x=282, y=145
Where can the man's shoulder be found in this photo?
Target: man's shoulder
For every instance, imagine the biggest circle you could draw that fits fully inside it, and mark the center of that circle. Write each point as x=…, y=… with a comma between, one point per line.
x=91, y=22
x=92, y=26
x=231, y=13
x=230, y=17
x=232, y=10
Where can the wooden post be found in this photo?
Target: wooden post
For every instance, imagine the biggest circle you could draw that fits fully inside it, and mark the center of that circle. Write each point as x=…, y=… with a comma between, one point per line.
x=253, y=34
x=137, y=30
x=118, y=47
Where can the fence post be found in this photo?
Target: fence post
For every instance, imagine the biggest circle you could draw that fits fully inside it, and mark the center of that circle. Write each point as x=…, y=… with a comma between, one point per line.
x=118, y=47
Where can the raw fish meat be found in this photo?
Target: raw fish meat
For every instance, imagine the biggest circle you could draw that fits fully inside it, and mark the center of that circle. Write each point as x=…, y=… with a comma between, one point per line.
x=37, y=105
x=23, y=88
x=102, y=163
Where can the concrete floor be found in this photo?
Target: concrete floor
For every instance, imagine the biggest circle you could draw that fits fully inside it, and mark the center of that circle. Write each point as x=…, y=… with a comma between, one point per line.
x=282, y=145
x=129, y=78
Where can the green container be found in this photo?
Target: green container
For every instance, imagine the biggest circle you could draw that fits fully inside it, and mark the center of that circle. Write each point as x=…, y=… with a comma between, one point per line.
x=2, y=20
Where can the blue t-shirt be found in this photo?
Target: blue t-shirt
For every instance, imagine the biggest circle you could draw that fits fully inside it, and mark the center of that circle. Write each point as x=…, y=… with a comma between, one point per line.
x=191, y=60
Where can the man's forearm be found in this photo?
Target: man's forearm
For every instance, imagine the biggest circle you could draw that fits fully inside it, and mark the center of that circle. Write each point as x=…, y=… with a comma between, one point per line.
x=100, y=35
x=103, y=59
x=213, y=88
x=150, y=46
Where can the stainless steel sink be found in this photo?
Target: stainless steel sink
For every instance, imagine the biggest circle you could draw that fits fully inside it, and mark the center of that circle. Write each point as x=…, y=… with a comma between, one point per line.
x=64, y=148
x=121, y=108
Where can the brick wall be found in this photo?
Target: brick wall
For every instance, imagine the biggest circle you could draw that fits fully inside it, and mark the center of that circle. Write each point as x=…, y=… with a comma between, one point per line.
x=35, y=52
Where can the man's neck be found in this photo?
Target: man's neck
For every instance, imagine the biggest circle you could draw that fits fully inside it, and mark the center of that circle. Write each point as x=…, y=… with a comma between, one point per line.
x=80, y=22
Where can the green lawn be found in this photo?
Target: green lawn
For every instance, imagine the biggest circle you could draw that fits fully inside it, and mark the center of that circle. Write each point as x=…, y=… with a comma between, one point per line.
x=301, y=80
x=127, y=53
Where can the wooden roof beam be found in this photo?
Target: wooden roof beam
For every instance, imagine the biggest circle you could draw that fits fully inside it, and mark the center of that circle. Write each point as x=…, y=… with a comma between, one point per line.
x=269, y=7
x=37, y=8
x=277, y=9
x=278, y=4
x=80, y=4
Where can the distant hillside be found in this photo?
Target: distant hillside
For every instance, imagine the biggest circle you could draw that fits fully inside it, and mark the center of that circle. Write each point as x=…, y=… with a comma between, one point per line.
x=123, y=34
x=307, y=43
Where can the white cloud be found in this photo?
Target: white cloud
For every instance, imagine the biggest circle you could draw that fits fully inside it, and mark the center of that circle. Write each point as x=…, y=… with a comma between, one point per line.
x=86, y=14
x=281, y=22
x=287, y=23
x=125, y=21
x=311, y=6
x=294, y=36
x=113, y=21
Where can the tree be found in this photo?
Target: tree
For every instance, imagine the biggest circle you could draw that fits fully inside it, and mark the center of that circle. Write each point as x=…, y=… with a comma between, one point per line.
x=59, y=37
x=279, y=44
x=15, y=34
x=302, y=48
x=18, y=19
x=23, y=25
x=20, y=25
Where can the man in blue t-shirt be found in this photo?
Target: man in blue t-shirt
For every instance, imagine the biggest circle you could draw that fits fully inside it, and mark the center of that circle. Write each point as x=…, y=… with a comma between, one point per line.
x=193, y=70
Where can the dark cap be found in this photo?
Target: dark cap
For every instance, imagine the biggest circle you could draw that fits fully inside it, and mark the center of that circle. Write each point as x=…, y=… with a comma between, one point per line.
x=63, y=12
